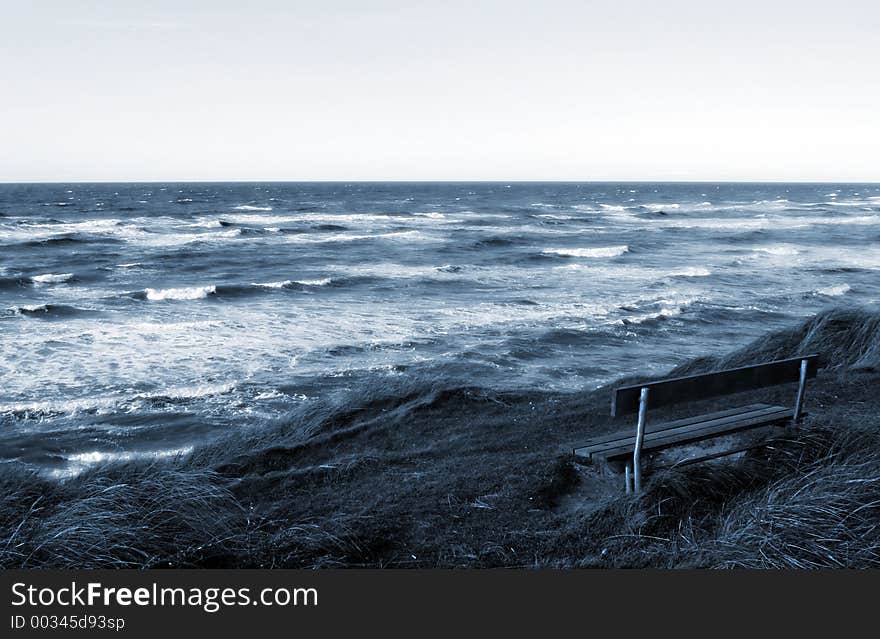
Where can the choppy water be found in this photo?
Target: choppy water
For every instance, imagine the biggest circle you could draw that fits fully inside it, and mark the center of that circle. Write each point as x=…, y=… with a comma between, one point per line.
x=140, y=319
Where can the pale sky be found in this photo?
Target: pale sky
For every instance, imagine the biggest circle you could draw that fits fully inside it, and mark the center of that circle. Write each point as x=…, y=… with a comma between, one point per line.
x=409, y=90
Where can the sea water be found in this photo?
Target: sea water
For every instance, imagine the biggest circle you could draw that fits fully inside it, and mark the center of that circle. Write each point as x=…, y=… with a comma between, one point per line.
x=143, y=319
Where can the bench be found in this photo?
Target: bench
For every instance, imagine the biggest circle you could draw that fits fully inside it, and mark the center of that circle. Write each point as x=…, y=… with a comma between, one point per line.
x=627, y=447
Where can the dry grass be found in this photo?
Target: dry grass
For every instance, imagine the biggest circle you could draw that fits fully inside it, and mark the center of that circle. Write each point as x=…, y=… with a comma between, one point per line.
x=131, y=516
x=810, y=501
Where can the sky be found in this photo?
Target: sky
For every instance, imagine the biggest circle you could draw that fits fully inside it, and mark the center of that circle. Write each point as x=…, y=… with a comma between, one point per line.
x=409, y=90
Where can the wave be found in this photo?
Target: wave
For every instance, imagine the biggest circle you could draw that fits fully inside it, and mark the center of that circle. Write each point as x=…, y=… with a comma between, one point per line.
x=324, y=281
x=779, y=249
x=566, y=337
x=184, y=393
x=251, y=207
x=208, y=224
x=187, y=293
x=52, y=278
x=13, y=282
x=558, y=218
x=253, y=218
x=603, y=251
x=697, y=311
x=449, y=268
x=47, y=278
x=68, y=240
x=50, y=311
x=773, y=223
x=865, y=204
x=329, y=227
x=491, y=242
x=117, y=404
x=692, y=271
x=351, y=237
x=281, y=284
x=294, y=283
x=834, y=291
x=664, y=313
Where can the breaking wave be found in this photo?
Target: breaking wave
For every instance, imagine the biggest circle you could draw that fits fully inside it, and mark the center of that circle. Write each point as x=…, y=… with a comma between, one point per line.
x=834, y=291
x=604, y=251
x=187, y=293
x=52, y=278
x=250, y=207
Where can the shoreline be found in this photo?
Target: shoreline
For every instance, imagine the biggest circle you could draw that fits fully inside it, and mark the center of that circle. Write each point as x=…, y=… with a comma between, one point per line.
x=436, y=477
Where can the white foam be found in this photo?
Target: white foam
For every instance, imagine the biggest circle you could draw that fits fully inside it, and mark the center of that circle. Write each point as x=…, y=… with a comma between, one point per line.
x=663, y=312
x=207, y=224
x=52, y=278
x=351, y=237
x=604, y=251
x=189, y=392
x=271, y=394
x=834, y=291
x=119, y=402
x=282, y=283
x=191, y=293
x=778, y=249
x=348, y=218
x=162, y=231
x=249, y=207
x=321, y=282
x=570, y=267
x=80, y=461
x=692, y=271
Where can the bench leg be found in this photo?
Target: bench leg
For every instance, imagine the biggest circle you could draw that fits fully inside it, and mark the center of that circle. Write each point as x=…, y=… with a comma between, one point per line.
x=799, y=400
x=640, y=436
x=627, y=477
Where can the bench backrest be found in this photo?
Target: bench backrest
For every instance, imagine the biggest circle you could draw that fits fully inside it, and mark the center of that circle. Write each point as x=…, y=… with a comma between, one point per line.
x=676, y=390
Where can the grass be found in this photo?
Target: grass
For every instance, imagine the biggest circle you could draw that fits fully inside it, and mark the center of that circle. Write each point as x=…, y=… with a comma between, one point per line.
x=134, y=516
x=422, y=475
x=811, y=501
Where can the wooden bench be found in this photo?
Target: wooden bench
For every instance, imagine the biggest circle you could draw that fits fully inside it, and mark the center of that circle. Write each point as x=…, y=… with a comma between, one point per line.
x=627, y=447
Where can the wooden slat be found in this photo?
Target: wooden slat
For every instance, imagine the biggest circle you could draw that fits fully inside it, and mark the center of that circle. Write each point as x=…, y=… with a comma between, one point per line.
x=672, y=429
x=664, y=392
x=653, y=428
x=692, y=436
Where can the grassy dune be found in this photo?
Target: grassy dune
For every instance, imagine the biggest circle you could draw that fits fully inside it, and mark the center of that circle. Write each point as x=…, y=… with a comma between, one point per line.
x=422, y=475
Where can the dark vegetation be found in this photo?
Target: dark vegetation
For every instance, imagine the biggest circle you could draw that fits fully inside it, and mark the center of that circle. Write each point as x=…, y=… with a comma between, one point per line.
x=423, y=475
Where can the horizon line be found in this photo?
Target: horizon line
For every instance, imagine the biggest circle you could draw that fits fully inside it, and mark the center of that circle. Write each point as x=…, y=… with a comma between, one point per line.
x=437, y=181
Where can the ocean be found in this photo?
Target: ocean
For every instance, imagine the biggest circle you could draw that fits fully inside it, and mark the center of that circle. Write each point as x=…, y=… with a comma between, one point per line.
x=141, y=320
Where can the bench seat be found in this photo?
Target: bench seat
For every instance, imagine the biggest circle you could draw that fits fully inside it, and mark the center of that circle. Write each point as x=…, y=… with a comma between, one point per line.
x=619, y=446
